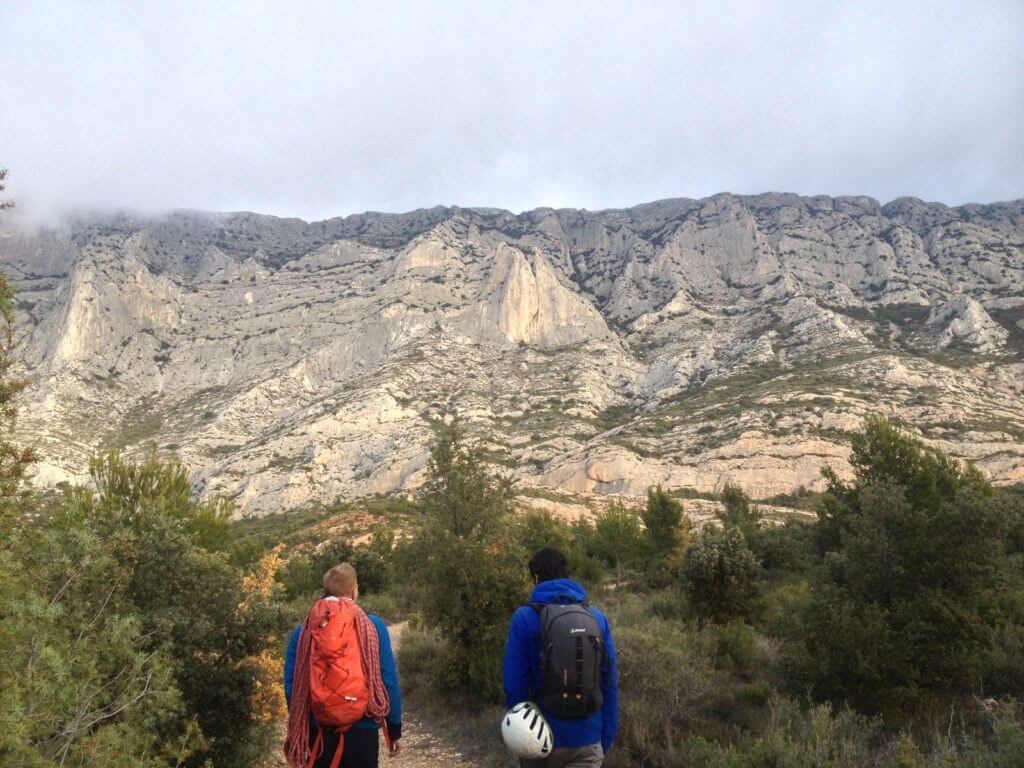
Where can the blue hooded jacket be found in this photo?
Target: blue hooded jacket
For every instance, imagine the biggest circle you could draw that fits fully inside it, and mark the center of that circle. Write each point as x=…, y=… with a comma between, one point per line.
x=522, y=668
x=388, y=672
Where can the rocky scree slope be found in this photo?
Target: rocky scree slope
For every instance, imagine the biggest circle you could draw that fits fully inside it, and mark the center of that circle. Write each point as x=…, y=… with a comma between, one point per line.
x=684, y=342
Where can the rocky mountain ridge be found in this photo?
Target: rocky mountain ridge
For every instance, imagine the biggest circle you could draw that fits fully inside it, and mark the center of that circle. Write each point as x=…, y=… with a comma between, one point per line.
x=683, y=342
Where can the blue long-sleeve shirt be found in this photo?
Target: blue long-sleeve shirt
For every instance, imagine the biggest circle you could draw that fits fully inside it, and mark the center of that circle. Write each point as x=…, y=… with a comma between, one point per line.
x=388, y=671
x=522, y=668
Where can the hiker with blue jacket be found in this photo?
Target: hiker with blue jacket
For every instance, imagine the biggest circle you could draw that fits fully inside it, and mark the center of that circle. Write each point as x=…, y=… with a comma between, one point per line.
x=560, y=656
x=359, y=743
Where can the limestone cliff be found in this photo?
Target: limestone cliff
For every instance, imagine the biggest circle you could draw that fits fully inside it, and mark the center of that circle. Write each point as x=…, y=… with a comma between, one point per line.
x=683, y=342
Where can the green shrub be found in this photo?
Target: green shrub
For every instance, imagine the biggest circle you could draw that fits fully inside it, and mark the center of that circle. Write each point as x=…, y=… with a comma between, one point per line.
x=617, y=539
x=670, y=604
x=471, y=575
x=664, y=680
x=667, y=534
x=905, y=610
x=759, y=693
x=422, y=650
x=139, y=649
x=783, y=609
x=736, y=646
x=387, y=605
x=740, y=513
x=720, y=575
x=302, y=576
x=536, y=529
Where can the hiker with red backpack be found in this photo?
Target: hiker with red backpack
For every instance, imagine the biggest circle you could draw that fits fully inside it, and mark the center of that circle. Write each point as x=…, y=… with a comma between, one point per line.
x=341, y=682
x=561, y=682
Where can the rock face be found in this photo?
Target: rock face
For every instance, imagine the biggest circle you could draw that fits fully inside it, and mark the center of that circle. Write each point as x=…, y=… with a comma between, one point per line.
x=683, y=342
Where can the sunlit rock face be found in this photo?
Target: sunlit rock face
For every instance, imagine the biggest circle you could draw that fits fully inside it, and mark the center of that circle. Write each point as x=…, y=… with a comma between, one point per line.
x=684, y=342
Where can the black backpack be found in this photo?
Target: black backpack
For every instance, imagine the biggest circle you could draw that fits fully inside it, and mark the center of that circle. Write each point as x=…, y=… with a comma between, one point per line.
x=571, y=657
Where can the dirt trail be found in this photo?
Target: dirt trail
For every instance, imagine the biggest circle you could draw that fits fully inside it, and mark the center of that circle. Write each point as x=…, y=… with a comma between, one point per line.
x=422, y=745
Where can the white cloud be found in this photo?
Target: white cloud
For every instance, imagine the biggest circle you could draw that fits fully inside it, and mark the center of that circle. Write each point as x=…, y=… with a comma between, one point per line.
x=322, y=109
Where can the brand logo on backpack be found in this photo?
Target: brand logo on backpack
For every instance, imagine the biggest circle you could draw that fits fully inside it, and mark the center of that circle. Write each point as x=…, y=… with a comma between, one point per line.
x=572, y=654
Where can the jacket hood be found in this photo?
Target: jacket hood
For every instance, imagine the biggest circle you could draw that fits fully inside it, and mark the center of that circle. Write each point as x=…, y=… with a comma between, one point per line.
x=558, y=591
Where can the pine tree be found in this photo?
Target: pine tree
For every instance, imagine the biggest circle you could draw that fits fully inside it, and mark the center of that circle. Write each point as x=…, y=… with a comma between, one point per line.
x=915, y=576
x=470, y=574
x=720, y=574
x=667, y=533
x=617, y=538
x=739, y=512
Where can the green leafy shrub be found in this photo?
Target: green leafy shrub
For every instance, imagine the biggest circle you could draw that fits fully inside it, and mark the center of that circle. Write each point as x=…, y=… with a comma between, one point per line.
x=736, y=646
x=906, y=606
x=720, y=575
x=739, y=513
x=471, y=575
x=670, y=604
x=139, y=648
x=664, y=680
x=617, y=539
x=667, y=534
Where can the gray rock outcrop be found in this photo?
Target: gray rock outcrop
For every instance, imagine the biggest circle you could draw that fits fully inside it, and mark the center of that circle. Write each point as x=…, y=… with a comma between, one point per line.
x=683, y=342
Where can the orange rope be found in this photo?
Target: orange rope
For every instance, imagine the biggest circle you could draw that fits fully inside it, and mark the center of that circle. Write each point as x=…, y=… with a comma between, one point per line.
x=378, y=705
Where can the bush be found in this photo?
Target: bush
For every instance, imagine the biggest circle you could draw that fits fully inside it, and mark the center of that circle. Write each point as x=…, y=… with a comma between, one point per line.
x=719, y=576
x=302, y=576
x=143, y=634
x=736, y=646
x=670, y=603
x=785, y=550
x=471, y=579
x=740, y=513
x=74, y=655
x=664, y=679
x=420, y=658
x=783, y=610
x=617, y=539
x=667, y=533
x=914, y=580
x=387, y=605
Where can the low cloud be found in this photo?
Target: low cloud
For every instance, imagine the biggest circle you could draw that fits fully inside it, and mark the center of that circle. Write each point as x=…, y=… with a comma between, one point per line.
x=321, y=109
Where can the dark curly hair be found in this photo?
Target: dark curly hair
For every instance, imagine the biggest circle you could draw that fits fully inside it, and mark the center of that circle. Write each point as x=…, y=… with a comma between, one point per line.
x=549, y=563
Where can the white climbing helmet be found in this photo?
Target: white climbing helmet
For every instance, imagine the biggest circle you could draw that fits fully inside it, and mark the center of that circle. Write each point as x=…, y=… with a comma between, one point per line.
x=526, y=732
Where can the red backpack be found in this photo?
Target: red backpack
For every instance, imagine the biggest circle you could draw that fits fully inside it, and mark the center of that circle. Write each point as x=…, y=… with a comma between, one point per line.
x=338, y=690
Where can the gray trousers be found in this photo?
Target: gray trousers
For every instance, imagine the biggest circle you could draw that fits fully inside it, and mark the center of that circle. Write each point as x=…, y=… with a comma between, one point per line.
x=569, y=757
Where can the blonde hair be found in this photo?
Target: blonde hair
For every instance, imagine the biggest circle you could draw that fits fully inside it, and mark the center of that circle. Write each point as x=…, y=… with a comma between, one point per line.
x=341, y=581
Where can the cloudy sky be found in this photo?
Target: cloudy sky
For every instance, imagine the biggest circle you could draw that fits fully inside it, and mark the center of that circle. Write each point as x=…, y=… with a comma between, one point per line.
x=317, y=109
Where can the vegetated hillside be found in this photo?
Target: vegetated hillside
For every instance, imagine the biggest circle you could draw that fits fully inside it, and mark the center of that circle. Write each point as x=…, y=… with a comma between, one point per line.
x=691, y=343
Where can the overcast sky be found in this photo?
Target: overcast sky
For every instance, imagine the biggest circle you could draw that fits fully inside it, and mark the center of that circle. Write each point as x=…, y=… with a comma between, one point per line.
x=320, y=109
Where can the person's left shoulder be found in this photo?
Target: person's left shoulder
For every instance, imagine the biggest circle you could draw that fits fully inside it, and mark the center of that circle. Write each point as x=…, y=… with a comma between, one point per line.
x=378, y=624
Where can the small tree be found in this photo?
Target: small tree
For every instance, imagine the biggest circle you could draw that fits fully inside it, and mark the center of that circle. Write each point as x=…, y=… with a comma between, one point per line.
x=719, y=575
x=179, y=581
x=539, y=528
x=740, y=513
x=667, y=534
x=915, y=577
x=617, y=538
x=470, y=575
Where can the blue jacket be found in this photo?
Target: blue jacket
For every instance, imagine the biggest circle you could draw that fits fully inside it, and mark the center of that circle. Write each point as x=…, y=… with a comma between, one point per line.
x=388, y=671
x=522, y=668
